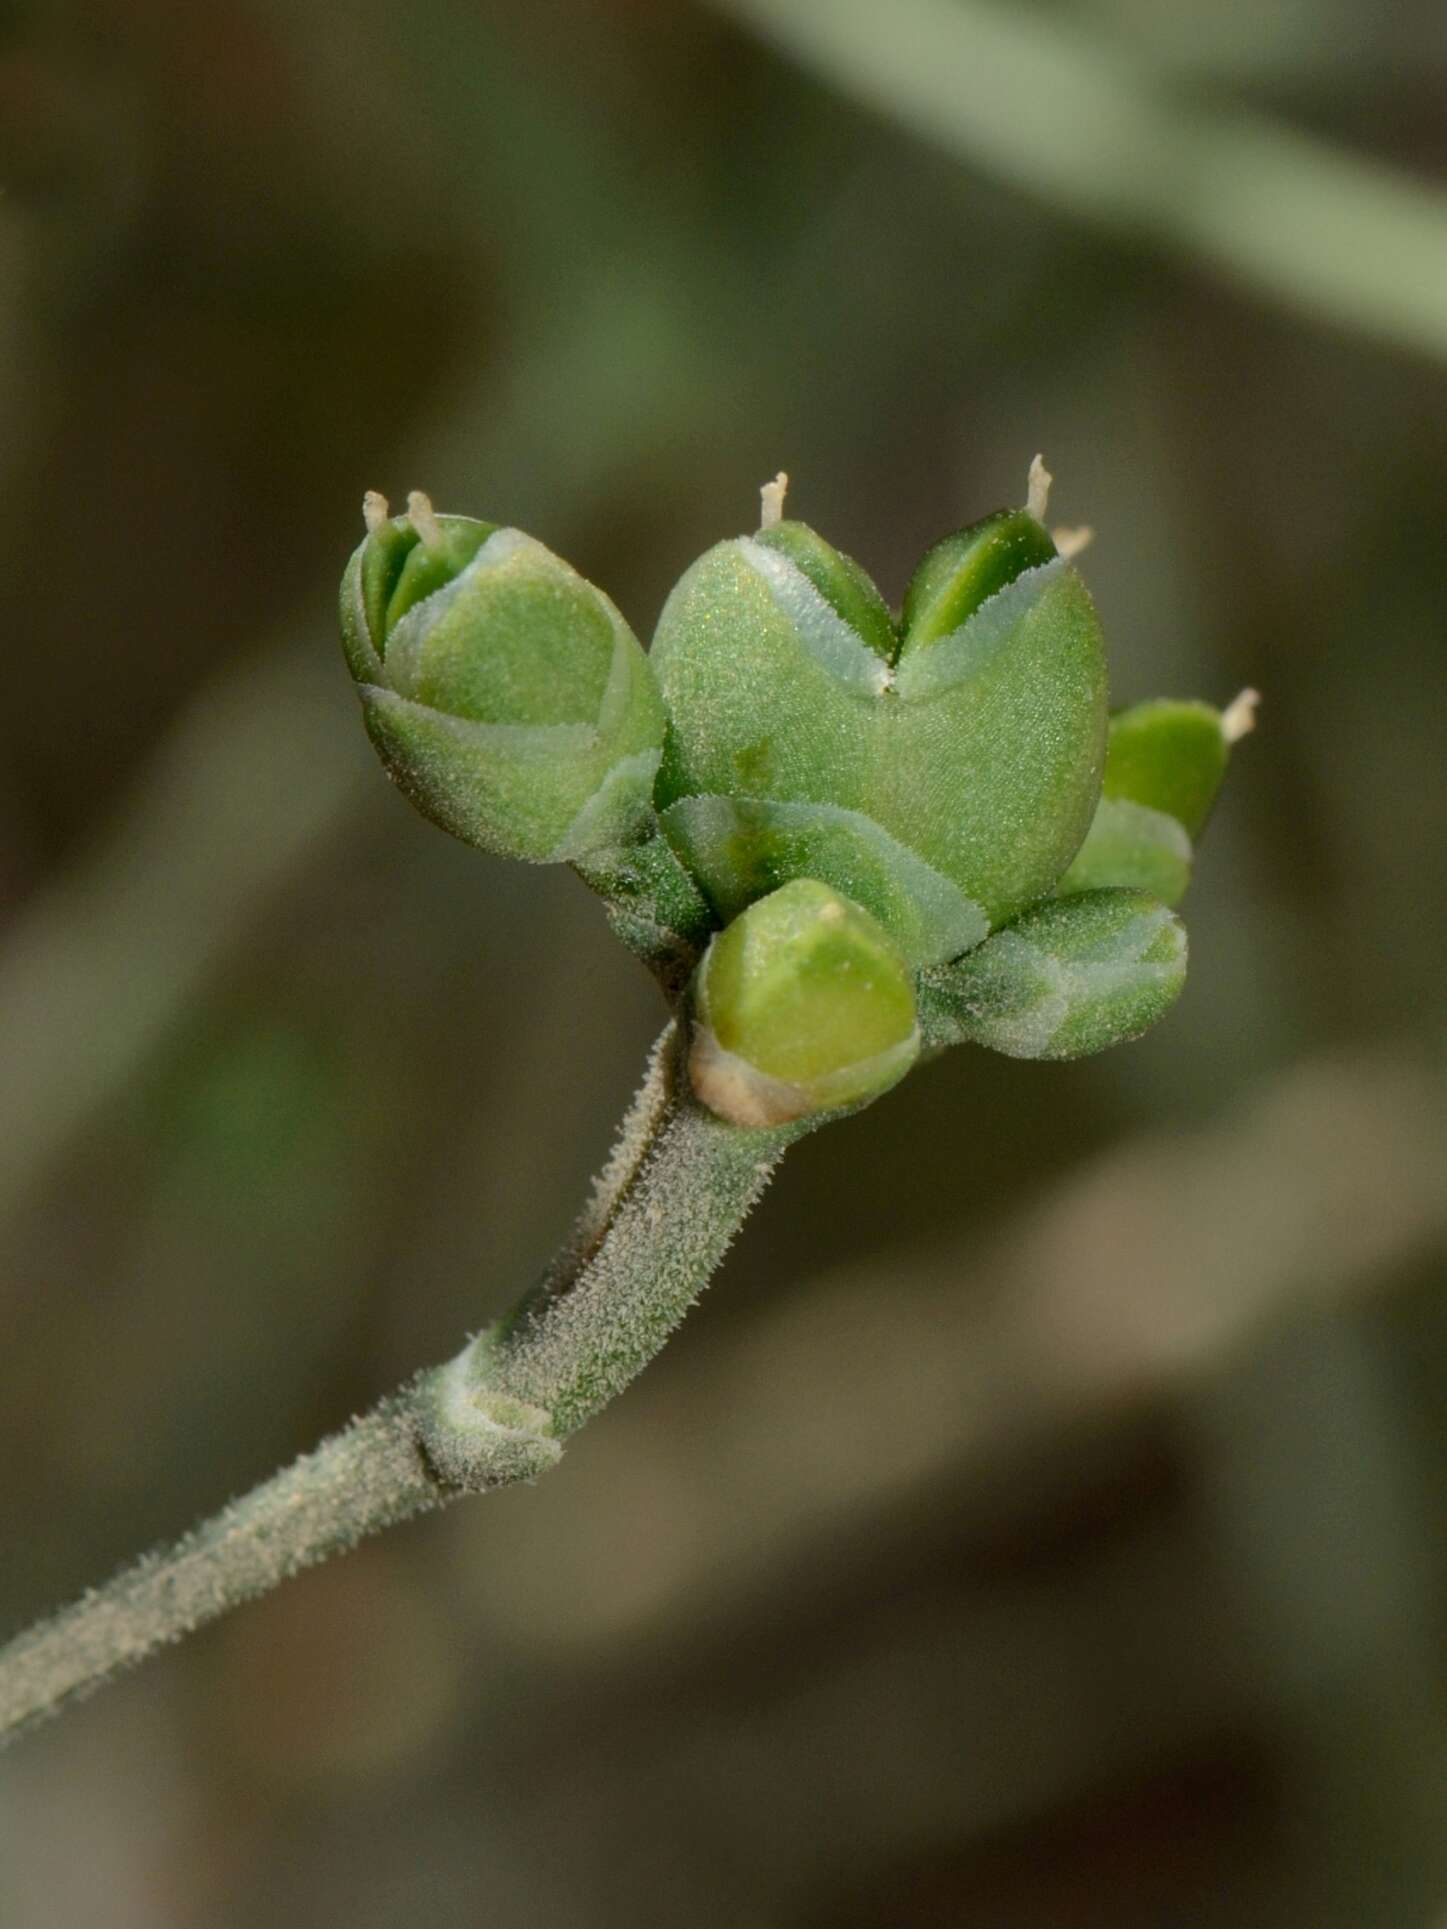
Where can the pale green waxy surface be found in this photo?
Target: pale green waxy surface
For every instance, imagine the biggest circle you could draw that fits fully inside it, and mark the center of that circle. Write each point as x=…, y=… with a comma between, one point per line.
x=1132, y=847
x=1073, y=976
x=982, y=754
x=808, y=990
x=511, y=703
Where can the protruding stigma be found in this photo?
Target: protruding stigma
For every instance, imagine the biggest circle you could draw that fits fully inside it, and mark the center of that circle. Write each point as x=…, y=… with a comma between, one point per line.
x=374, y=511
x=424, y=518
x=1070, y=542
x=1037, y=489
x=1238, y=719
x=771, y=501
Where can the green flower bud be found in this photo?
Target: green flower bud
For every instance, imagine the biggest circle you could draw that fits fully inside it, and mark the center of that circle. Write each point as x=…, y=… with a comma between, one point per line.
x=802, y=1006
x=506, y=695
x=1172, y=756
x=1164, y=767
x=971, y=749
x=1070, y=977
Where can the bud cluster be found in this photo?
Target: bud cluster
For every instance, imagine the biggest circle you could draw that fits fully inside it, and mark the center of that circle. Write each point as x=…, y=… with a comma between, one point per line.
x=861, y=832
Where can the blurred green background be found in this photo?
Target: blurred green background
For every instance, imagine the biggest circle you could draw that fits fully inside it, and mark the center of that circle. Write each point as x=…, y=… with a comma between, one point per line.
x=1042, y=1520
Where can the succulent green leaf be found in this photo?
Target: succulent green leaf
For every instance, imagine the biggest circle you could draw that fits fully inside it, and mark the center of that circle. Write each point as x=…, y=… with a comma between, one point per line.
x=846, y=587
x=963, y=570
x=507, y=696
x=802, y=1006
x=1131, y=847
x=742, y=848
x=981, y=755
x=1070, y=977
x=1171, y=756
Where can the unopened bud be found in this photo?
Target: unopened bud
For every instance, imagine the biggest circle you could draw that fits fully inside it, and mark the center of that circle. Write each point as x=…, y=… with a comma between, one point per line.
x=971, y=739
x=1070, y=977
x=506, y=695
x=802, y=1006
x=1164, y=767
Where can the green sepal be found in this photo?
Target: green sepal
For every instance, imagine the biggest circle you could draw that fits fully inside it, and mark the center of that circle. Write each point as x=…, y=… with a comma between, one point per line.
x=389, y=572
x=1169, y=755
x=802, y=1006
x=1131, y=847
x=844, y=584
x=379, y=563
x=549, y=794
x=963, y=570
x=1070, y=977
x=426, y=569
x=742, y=848
x=511, y=703
x=982, y=755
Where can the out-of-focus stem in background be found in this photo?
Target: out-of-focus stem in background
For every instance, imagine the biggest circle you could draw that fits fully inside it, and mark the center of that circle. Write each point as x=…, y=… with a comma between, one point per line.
x=1041, y=102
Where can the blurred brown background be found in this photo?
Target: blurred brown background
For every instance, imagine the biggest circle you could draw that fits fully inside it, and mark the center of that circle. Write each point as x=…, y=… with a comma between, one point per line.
x=1041, y=1522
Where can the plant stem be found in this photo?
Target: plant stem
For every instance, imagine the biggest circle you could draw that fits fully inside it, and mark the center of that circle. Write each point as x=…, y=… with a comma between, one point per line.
x=663, y=1212
x=367, y=1477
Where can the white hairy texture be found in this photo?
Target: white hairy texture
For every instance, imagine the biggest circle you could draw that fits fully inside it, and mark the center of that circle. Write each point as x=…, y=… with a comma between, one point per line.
x=665, y=1210
x=368, y=1476
x=641, y=1126
x=576, y=1347
x=479, y=1437
x=1238, y=719
x=1037, y=489
x=1027, y=1031
x=424, y=518
x=374, y=510
x=819, y=626
x=601, y=821
x=987, y=629
x=771, y=501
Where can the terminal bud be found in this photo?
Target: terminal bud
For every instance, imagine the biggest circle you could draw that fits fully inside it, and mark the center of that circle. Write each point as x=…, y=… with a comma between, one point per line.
x=945, y=770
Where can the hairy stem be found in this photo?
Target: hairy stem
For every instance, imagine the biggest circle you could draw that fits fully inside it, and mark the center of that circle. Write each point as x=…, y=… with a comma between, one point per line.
x=364, y=1478
x=663, y=1212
